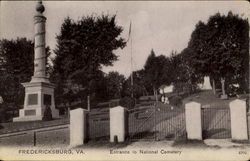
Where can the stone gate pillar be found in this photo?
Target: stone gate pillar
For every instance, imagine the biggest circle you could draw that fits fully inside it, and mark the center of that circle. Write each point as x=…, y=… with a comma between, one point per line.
x=118, y=123
x=238, y=113
x=193, y=121
x=78, y=126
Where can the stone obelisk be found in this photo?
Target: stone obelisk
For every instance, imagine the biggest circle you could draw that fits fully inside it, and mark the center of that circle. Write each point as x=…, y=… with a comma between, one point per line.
x=40, y=56
x=39, y=92
x=207, y=84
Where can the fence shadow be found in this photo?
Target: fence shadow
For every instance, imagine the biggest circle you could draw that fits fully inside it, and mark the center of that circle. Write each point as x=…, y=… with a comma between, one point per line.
x=143, y=135
x=218, y=133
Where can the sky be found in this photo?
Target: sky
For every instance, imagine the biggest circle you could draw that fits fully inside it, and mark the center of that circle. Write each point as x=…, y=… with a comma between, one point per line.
x=163, y=26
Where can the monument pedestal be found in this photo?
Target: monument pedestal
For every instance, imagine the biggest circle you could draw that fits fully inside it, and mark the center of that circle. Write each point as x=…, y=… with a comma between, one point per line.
x=38, y=95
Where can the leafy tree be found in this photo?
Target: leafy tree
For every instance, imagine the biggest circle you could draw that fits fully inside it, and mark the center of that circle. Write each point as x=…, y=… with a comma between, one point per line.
x=114, y=84
x=151, y=68
x=184, y=75
x=16, y=67
x=157, y=71
x=83, y=47
x=139, y=85
x=220, y=48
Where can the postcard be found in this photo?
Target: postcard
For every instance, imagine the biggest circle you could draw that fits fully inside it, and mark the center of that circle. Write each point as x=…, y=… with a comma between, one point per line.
x=124, y=80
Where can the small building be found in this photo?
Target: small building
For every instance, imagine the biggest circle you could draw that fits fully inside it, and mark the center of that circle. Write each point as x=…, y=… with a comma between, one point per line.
x=166, y=92
x=166, y=89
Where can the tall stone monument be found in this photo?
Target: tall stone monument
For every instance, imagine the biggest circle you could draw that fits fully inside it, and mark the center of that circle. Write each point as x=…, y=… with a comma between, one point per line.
x=206, y=85
x=39, y=92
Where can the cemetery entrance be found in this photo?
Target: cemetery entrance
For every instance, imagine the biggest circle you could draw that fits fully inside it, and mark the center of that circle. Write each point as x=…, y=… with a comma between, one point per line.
x=216, y=123
x=156, y=122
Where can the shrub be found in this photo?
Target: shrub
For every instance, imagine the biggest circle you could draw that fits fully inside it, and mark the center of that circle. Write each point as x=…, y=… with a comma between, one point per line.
x=233, y=90
x=175, y=101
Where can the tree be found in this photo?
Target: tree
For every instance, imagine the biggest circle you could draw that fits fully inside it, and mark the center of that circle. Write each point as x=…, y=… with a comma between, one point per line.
x=139, y=85
x=114, y=84
x=184, y=75
x=83, y=47
x=221, y=48
x=157, y=71
x=151, y=71
x=16, y=67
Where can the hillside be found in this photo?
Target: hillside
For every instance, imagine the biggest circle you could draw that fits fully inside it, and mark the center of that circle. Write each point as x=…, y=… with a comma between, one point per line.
x=208, y=99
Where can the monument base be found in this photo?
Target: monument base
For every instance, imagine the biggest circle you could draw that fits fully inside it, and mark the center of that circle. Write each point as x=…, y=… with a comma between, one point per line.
x=224, y=97
x=27, y=118
x=38, y=96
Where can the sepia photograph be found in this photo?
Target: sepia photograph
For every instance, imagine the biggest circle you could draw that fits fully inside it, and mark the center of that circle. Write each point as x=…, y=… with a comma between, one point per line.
x=124, y=80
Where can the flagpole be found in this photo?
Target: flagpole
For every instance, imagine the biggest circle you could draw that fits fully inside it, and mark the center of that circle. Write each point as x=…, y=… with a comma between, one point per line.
x=131, y=53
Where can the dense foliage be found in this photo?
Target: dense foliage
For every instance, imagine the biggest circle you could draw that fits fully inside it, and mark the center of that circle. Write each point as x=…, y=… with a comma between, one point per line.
x=220, y=48
x=83, y=47
x=114, y=83
x=16, y=67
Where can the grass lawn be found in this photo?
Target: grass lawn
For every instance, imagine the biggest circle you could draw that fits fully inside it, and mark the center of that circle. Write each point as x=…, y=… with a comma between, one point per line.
x=30, y=125
x=207, y=98
x=51, y=138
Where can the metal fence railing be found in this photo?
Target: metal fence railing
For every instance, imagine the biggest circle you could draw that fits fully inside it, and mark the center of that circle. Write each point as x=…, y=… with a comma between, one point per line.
x=98, y=125
x=156, y=122
x=216, y=123
x=141, y=123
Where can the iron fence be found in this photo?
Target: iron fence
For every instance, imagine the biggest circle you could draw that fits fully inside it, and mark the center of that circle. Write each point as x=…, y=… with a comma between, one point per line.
x=170, y=123
x=156, y=122
x=98, y=125
x=216, y=123
x=141, y=123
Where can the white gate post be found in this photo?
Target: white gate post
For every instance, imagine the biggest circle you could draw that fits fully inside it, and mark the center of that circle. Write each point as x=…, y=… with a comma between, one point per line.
x=78, y=128
x=117, y=123
x=238, y=115
x=193, y=121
